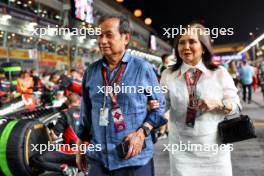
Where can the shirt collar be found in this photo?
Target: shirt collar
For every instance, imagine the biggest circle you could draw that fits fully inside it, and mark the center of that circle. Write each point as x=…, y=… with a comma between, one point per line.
x=125, y=59
x=185, y=67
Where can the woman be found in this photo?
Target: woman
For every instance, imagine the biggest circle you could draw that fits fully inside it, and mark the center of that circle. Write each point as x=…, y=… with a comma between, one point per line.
x=233, y=71
x=199, y=95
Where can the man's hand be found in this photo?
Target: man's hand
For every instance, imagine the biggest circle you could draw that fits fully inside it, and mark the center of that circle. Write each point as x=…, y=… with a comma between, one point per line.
x=53, y=136
x=80, y=158
x=136, y=141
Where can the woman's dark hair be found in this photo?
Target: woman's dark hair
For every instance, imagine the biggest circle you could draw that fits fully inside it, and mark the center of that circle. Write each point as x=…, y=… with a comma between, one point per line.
x=205, y=40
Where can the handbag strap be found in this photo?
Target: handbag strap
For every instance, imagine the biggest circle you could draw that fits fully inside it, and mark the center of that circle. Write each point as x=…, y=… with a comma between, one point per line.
x=240, y=112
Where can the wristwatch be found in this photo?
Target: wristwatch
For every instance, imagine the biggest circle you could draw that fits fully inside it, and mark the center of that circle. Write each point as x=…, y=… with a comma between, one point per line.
x=146, y=131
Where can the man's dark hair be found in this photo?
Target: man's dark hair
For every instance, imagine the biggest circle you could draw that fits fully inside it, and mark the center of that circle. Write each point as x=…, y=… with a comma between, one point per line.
x=124, y=24
x=164, y=56
x=55, y=73
x=72, y=98
x=73, y=70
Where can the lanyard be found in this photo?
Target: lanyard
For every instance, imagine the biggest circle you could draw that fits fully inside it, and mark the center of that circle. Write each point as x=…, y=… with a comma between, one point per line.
x=116, y=79
x=192, y=86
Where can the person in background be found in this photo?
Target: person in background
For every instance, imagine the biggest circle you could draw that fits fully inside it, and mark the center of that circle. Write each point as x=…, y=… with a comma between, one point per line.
x=63, y=160
x=261, y=76
x=163, y=132
x=232, y=69
x=246, y=73
x=5, y=88
x=25, y=83
x=255, y=77
x=75, y=75
x=37, y=82
x=165, y=63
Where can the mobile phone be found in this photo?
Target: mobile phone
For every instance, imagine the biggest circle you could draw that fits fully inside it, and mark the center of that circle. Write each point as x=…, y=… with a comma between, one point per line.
x=122, y=149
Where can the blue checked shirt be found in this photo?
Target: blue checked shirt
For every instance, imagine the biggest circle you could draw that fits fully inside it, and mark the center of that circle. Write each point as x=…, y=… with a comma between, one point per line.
x=138, y=73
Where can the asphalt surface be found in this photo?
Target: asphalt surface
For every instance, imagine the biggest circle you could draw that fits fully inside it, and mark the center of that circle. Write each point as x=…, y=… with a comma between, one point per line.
x=247, y=156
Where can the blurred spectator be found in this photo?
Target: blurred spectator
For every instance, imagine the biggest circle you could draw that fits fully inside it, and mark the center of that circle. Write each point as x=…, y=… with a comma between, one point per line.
x=165, y=63
x=4, y=88
x=25, y=83
x=75, y=75
x=261, y=76
x=59, y=100
x=246, y=78
x=62, y=160
x=233, y=72
x=255, y=78
x=37, y=82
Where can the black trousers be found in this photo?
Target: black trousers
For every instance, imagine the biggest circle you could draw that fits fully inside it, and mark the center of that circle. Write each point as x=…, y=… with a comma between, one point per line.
x=249, y=87
x=96, y=169
x=52, y=161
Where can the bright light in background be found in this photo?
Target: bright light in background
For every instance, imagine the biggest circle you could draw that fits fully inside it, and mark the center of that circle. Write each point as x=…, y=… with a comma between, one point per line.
x=4, y=19
x=51, y=31
x=67, y=36
x=252, y=44
x=93, y=42
x=148, y=21
x=31, y=26
x=119, y=1
x=81, y=39
x=137, y=13
x=144, y=55
x=259, y=53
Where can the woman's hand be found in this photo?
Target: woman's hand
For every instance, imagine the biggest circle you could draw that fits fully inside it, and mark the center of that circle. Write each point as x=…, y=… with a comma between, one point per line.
x=153, y=104
x=210, y=105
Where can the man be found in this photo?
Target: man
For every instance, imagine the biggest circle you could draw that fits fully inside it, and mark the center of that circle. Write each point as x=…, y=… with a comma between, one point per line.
x=36, y=80
x=74, y=82
x=163, y=132
x=108, y=118
x=246, y=78
x=63, y=160
x=25, y=83
x=165, y=63
x=5, y=88
x=261, y=76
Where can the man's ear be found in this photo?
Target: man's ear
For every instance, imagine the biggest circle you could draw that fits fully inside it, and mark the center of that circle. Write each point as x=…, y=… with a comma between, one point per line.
x=127, y=38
